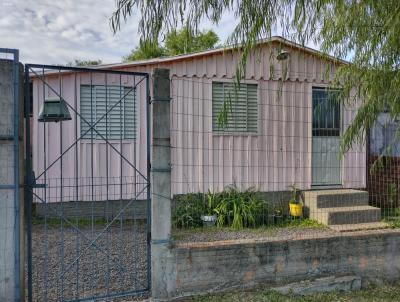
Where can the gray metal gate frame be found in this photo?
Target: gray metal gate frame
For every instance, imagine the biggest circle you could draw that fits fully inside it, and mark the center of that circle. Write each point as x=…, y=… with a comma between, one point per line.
x=31, y=179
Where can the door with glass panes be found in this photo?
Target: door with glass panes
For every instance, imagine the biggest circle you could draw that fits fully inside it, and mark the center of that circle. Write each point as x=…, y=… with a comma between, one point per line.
x=326, y=120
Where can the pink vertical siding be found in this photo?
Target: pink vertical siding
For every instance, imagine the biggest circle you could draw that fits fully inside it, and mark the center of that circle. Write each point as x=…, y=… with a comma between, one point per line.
x=270, y=160
x=68, y=170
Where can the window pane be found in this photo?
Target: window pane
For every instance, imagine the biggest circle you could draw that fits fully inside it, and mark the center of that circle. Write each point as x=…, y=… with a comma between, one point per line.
x=239, y=106
x=119, y=104
x=326, y=112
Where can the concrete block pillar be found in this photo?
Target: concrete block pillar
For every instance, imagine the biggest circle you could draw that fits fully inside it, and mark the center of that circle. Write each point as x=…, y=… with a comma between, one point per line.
x=11, y=180
x=163, y=273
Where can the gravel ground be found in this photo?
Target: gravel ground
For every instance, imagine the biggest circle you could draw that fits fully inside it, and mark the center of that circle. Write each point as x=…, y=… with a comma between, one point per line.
x=119, y=264
x=217, y=234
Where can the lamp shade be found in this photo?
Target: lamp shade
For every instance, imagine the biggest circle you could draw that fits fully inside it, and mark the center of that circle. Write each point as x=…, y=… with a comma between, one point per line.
x=282, y=55
x=54, y=110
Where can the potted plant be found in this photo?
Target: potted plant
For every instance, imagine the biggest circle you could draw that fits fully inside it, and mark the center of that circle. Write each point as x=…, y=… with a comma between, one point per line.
x=209, y=217
x=295, y=203
x=278, y=215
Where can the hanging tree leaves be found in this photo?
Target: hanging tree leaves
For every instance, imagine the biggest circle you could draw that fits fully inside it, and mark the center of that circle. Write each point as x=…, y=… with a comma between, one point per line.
x=366, y=31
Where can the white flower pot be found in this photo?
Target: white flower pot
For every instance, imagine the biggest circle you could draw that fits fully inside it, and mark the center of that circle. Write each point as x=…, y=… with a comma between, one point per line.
x=209, y=220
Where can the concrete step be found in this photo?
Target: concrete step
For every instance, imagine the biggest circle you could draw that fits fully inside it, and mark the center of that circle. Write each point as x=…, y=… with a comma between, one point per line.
x=359, y=226
x=334, y=198
x=346, y=215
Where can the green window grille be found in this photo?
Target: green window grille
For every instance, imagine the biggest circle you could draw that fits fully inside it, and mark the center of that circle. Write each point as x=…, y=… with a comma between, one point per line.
x=96, y=100
x=240, y=105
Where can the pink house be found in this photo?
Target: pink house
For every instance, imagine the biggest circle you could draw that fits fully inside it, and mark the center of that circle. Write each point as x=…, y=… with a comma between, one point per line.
x=281, y=128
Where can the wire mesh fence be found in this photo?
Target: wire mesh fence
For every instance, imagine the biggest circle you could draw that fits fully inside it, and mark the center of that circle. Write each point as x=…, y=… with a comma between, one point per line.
x=91, y=246
x=266, y=155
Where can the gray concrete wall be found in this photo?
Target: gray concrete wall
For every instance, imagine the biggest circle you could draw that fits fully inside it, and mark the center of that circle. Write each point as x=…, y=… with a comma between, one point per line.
x=11, y=210
x=212, y=267
x=99, y=209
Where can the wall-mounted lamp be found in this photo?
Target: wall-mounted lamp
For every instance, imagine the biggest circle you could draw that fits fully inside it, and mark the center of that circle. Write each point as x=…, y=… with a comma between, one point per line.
x=282, y=55
x=54, y=110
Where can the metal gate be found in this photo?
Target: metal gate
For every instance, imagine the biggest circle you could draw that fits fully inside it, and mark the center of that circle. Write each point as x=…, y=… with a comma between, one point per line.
x=88, y=192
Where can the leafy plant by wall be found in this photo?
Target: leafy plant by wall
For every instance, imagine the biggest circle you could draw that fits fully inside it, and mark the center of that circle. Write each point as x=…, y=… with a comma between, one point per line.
x=188, y=210
x=238, y=209
x=233, y=208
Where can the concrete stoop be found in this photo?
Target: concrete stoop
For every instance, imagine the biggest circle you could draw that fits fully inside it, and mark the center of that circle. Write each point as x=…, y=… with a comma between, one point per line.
x=343, y=210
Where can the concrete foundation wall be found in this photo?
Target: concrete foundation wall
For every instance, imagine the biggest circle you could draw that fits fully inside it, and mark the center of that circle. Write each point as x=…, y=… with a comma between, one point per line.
x=209, y=267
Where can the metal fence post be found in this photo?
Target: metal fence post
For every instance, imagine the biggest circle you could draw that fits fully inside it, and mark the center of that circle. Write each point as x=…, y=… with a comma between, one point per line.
x=162, y=274
x=11, y=179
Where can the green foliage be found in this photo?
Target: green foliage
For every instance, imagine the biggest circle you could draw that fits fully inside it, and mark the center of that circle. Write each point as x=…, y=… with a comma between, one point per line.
x=365, y=31
x=303, y=224
x=223, y=114
x=239, y=209
x=295, y=196
x=185, y=41
x=188, y=210
x=271, y=230
x=213, y=200
x=145, y=50
x=83, y=63
x=176, y=42
x=234, y=208
x=392, y=193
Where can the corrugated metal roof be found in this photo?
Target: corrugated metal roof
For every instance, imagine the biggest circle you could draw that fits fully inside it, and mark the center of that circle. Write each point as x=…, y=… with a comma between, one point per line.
x=277, y=39
x=182, y=57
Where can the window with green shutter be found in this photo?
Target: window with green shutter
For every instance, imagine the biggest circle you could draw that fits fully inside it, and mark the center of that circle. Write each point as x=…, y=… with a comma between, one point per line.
x=96, y=100
x=240, y=106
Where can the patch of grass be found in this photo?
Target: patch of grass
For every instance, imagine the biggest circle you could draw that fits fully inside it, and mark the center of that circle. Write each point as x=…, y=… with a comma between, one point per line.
x=304, y=223
x=394, y=222
x=391, y=216
x=290, y=223
x=388, y=293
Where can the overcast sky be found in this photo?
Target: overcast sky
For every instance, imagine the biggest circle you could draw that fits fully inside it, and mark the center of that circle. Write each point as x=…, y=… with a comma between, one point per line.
x=59, y=31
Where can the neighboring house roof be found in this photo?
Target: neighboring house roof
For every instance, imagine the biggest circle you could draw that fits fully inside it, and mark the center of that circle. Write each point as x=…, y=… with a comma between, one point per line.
x=172, y=59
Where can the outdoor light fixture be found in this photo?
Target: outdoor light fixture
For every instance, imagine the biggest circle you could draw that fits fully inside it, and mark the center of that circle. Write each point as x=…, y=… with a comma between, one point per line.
x=54, y=110
x=282, y=55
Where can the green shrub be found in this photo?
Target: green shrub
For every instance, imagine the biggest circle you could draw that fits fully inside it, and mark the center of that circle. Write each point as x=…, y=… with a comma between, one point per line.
x=238, y=209
x=234, y=208
x=188, y=210
x=213, y=200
